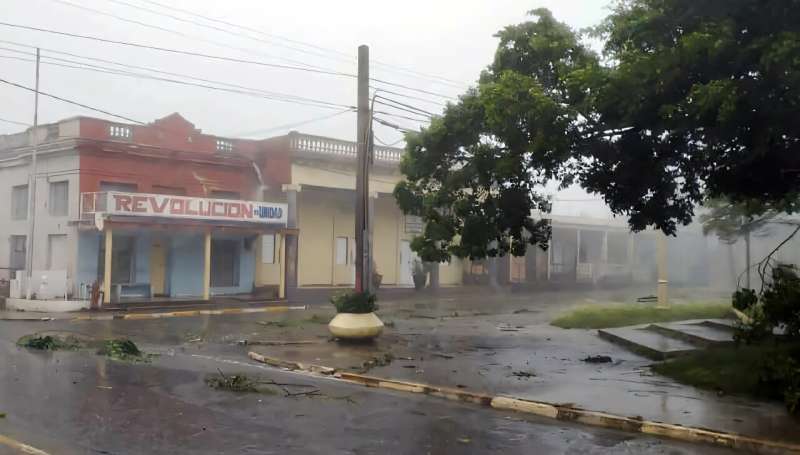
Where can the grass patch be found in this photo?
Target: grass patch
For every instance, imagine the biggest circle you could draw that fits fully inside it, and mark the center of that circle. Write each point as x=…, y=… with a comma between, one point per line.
x=122, y=349
x=735, y=370
x=50, y=342
x=619, y=315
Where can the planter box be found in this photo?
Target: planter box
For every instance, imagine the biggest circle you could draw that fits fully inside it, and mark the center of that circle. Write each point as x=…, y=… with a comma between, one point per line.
x=355, y=326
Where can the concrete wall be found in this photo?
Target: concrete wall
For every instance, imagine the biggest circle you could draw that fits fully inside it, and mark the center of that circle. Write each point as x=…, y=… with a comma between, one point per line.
x=62, y=166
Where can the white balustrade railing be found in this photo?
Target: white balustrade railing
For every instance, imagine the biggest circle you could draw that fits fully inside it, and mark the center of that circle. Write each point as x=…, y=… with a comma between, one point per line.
x=327, y=146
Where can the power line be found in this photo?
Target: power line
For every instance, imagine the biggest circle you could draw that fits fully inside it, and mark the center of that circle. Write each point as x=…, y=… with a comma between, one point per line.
x=391, y=125
x=14, y=122
x=344, y=55
x=392, y=114
x=218, y=57
x=75, y=103
x=155, y=70
x=179, y=33
x=395, y=84
x=293, y=125
x=382, y=142
x=411, y=97
x=250, y=92
x=403, y=106
x=176, y=51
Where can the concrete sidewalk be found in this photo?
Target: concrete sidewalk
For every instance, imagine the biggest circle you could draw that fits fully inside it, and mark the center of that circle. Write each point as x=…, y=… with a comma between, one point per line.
x=519, y=355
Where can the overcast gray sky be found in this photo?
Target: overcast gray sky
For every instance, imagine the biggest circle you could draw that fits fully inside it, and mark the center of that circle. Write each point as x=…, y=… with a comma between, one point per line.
x=450, y=39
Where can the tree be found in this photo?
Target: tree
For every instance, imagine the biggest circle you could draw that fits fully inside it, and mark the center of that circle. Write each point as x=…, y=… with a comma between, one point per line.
x=690, y=100
x=730, y=222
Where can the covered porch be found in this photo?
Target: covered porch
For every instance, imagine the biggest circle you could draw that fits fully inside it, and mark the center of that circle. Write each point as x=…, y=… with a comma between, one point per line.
x=159, y=259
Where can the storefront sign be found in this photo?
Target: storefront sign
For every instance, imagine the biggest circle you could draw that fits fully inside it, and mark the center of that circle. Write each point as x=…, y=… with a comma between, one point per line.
x=166, y=206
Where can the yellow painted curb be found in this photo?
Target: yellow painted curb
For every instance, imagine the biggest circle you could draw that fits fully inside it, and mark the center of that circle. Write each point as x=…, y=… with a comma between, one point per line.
x=190, y=313
x=290, y=365
x=22, y=448
x=526, y=406
x=553, y=411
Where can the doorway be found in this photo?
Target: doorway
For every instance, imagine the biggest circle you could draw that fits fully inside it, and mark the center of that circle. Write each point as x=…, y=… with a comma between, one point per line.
x=225, y=263
x=158, y=266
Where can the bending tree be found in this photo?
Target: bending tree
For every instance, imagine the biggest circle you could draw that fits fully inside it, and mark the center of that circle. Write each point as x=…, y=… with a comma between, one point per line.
x=691, y=99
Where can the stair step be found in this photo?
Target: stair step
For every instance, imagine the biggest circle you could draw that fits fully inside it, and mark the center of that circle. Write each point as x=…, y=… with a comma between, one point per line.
x=648, y=343
x=698, y=333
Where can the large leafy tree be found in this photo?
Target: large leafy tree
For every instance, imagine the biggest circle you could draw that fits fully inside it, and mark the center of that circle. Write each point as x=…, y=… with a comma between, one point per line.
x=691, y=99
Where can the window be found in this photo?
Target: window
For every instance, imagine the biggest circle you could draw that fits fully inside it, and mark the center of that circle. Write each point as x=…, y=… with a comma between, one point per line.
x=120, y=131
x=171, y=190
x=122, y=259
x=341, y=250
x=116, y=186
x=220, y=194
x=19, y=202
x=224, y=146
x=18, y=252
x=268, y=249
x=57, y=252
x=59, y=198
x=225, y=263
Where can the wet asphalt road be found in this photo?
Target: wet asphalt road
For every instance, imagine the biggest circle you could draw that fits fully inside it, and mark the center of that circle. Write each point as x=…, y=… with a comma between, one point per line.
x=82, y=403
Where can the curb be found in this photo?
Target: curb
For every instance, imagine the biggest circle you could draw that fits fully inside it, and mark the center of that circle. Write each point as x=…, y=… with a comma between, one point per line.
x=549, y=410
x=189, y=313
x=20, y=447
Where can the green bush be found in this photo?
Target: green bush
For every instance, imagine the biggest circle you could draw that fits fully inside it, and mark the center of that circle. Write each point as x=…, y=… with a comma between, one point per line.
x=354, y=302
x=777, y=306
x=122, y=349
x=780, y=375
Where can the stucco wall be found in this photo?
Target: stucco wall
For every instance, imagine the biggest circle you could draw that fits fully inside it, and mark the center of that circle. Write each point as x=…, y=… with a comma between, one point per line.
x=50, y=168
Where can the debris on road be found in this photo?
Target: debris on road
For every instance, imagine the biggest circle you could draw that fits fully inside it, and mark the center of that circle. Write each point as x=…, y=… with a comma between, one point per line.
x=523, y=374
x=647, y=299
x=122, y=349
x=444, y=356
x=49, y=342
x=234, y=382
x=597, y=359
x=277, y=342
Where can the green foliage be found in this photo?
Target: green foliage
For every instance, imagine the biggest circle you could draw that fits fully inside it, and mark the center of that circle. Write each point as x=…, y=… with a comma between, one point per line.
x=49, y=342
x=781, y=375
x=763, y=370
x=777, y=306
x=704, y=96
x=354, y=302
x=620, y=315
x=121, y=349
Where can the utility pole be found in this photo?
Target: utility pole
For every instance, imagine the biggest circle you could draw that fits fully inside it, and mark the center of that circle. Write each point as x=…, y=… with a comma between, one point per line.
x=363, y=255
x=32, y=185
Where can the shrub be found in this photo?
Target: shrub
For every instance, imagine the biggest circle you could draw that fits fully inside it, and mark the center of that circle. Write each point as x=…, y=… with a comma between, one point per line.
x=777, y=306
x=780, y=375
x=354, y=302
x=49, y=343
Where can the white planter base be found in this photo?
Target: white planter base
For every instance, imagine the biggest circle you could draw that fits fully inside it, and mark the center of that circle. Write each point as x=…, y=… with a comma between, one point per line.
x=47, y=306
x=355, y=326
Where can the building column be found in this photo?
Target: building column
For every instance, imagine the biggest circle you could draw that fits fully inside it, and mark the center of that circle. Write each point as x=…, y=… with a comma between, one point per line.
x=281, y=245
x=109, y=243
x=207, y=265
x=604, y=248
x=577, y=252
x=291, y=254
